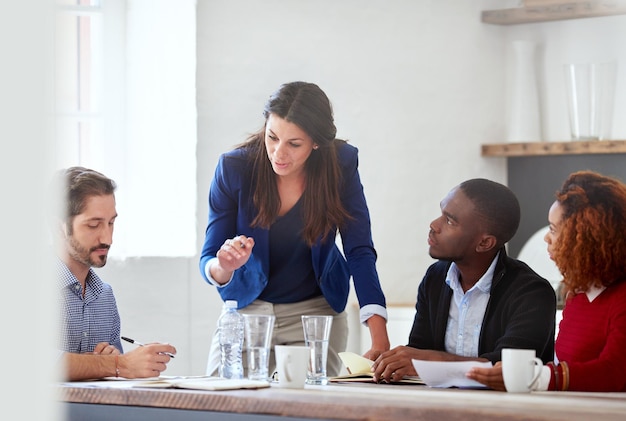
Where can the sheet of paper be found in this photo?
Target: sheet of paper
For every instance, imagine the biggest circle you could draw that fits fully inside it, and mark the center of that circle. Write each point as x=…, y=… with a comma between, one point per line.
x=122, y=382
x=178, y=382
x=356, y=364
x=205, y=383
x=448, y=373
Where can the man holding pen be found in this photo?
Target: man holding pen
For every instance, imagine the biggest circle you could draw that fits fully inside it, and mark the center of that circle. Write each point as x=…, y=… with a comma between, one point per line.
x=90, y=345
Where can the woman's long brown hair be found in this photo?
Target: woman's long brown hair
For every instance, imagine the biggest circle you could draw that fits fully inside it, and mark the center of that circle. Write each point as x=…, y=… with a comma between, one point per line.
x=307, y=106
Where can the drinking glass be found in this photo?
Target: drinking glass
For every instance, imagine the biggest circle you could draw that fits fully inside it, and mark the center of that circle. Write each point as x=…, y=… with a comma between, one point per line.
x=316, y=336
x=258, y=329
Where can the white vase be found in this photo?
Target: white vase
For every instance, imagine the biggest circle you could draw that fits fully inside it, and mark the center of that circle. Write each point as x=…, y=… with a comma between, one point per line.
x=523, y=109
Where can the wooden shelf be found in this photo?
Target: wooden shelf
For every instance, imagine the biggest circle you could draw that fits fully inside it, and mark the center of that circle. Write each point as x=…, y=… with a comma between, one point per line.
x=549, y=12
x=554, y=148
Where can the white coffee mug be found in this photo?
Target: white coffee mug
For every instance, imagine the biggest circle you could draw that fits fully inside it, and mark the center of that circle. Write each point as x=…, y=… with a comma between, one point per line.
x=520, y=369
x=291, y=365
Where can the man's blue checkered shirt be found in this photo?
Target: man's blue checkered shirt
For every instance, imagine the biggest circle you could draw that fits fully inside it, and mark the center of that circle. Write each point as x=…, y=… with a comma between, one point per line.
x=86, y=322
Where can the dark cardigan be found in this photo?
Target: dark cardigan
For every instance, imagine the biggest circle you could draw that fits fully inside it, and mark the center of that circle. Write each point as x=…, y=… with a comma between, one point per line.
x=520, y=313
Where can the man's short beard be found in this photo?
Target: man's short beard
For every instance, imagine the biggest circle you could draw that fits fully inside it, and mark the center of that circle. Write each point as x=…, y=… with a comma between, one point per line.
x=82, y=255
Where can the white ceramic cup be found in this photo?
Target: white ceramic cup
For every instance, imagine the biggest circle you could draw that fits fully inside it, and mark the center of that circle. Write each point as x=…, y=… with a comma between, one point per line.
x=520, y=369
x=291, y=365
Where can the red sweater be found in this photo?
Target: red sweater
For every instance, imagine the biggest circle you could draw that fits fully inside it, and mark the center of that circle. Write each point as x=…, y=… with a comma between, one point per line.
x=592, y=340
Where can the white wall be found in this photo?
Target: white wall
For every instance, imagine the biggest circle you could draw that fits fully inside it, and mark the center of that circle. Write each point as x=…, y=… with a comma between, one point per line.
x=417, y=86
x=26, y=307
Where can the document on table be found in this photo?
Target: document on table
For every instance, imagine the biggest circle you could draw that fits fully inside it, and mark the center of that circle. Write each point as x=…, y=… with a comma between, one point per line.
x=204, y=383
x=176, y=382
x=448, y=373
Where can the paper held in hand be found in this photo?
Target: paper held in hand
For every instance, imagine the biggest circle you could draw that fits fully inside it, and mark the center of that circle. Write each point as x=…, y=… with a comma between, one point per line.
x=360, y=370
x=449, y=373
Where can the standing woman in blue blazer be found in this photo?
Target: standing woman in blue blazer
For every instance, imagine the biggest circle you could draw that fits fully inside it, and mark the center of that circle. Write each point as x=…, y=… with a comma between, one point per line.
x=276, y=204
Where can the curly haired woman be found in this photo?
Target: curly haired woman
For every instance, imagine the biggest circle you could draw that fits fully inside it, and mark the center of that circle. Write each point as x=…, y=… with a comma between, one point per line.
x=587, y=241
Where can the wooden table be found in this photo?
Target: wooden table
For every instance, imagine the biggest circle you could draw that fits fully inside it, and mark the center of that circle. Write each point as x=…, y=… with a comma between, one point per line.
x=112, y=400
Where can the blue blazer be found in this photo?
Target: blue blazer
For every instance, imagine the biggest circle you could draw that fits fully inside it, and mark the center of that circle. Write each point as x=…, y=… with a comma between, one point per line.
x=231, y=211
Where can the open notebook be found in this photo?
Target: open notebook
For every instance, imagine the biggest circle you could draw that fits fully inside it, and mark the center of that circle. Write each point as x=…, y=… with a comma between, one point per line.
x=360, y=370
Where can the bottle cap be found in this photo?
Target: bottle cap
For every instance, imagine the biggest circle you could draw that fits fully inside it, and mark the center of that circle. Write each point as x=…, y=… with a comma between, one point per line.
x=230, y=303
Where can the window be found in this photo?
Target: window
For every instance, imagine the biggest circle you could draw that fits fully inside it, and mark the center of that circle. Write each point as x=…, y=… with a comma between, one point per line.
x=125, y=89
x=78, y=57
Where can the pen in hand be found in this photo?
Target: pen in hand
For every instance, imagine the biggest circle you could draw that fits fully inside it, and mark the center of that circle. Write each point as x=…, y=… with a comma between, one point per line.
x=132, y=341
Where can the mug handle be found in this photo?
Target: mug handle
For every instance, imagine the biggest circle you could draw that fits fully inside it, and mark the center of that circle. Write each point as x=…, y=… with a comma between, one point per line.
x=538, y=365
x=286, y=368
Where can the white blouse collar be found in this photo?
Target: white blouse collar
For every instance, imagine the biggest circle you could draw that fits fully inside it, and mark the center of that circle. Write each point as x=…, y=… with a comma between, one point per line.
x=593, y=292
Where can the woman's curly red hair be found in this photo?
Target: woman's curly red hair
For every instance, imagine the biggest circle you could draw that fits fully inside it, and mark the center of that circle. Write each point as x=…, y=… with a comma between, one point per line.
x=591, y=247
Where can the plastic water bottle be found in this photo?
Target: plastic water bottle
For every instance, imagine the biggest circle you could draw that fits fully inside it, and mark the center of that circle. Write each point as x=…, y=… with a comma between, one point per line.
x=231, y=330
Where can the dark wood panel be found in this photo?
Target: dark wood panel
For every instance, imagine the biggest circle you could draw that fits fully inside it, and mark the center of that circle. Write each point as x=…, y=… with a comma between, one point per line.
x=535, y=179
